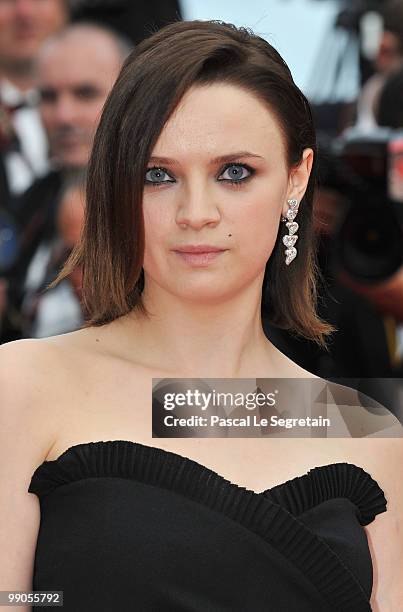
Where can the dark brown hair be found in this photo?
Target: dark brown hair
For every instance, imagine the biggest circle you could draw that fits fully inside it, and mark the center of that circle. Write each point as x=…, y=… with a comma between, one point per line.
x=152, y=82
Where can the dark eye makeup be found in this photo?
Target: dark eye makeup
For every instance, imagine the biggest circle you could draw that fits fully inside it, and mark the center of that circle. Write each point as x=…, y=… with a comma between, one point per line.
x=237, y=182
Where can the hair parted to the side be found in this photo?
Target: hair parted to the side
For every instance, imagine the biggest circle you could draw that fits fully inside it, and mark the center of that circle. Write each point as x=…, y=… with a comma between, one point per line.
x=154, y=78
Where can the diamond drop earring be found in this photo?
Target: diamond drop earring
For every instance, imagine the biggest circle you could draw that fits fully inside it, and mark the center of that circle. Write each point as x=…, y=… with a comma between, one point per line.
x=291, y=238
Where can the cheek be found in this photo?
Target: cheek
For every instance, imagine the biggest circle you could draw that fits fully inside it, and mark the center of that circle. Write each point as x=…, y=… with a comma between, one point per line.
x=158, y=229
x=5, y=23
x=48, y=117
x=255, y=226
x=87, y=115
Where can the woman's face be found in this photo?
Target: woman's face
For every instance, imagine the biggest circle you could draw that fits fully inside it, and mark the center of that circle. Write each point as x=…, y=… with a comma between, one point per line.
x=189, y=199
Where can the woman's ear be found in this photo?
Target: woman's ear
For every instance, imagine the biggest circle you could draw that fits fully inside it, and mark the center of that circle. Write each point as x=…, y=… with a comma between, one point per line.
x=299, y=177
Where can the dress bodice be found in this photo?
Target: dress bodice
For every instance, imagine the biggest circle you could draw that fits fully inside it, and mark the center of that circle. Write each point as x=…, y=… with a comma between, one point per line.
x=126, y=526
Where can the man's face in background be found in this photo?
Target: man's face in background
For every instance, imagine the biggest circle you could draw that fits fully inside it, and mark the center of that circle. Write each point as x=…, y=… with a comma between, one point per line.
x=390, y=54
x=25, y=24
x=75, y=75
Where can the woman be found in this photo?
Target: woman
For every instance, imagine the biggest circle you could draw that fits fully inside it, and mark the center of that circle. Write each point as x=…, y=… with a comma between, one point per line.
x=204, y=140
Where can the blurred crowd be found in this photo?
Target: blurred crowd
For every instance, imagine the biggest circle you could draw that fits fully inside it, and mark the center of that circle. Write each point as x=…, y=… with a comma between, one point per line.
x=55, y=75
x=58, y=62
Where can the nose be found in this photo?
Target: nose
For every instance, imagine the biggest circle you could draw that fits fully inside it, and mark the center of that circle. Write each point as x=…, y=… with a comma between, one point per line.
x=64, y=110
x=197, y=207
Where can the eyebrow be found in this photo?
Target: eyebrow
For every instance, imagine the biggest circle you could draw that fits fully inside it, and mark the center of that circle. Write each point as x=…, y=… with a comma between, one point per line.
x=220, y=159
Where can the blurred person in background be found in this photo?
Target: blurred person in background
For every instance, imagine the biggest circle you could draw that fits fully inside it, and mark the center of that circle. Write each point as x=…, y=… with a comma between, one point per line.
x=368, y=315
x=57, y=310
x=388, y=59
x=369, y=340
x=367, y=349
x=24, y=26
x=386, y=297
x=76, y=70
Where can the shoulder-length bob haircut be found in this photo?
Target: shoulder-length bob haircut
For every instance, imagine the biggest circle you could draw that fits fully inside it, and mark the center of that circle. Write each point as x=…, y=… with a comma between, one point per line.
x=153, y=79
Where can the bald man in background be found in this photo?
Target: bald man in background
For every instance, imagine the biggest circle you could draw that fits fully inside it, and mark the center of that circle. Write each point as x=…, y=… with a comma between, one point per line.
x=76, y=70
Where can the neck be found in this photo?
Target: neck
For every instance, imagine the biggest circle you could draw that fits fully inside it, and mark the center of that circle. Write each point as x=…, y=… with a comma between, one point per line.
x=193, y=338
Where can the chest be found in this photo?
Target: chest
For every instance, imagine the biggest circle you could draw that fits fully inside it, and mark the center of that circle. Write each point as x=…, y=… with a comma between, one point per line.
x=115, y=403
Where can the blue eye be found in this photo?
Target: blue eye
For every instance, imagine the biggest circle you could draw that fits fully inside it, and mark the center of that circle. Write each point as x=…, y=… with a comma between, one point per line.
x=156, y=173
x=236, y=173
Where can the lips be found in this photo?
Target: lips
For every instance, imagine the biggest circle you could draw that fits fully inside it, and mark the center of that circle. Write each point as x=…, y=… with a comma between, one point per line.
x=200, y=248
x=199, y=259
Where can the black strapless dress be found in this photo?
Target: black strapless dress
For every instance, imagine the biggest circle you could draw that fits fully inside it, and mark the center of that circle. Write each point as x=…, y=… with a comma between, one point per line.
x=126, y=526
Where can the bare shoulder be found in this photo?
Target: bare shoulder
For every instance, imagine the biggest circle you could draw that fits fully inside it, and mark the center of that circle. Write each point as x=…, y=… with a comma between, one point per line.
x=41, y=352
x=28, y=370
x=22, y=362
x=33, y=375
x=30, y=362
